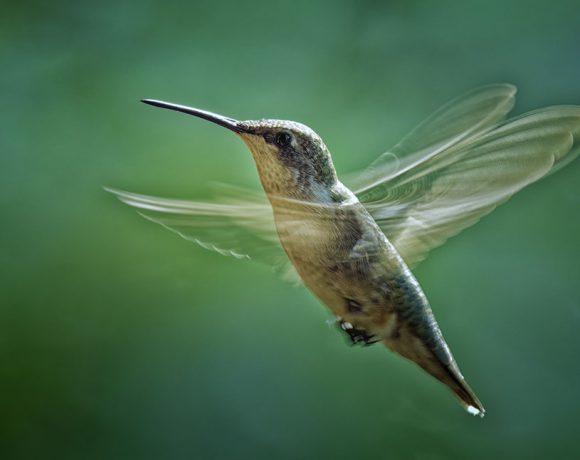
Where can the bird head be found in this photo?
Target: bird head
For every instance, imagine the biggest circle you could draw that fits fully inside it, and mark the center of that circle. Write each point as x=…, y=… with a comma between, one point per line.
x=291, y=158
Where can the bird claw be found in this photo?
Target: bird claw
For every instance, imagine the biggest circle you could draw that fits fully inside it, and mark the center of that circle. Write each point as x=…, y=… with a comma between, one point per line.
x=356, y=336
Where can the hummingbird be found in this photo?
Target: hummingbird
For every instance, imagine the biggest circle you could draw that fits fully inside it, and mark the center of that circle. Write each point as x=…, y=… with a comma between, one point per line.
x=354, y=247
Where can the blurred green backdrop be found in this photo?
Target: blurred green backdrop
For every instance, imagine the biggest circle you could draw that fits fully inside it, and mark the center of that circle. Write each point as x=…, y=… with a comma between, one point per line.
x=120, y=340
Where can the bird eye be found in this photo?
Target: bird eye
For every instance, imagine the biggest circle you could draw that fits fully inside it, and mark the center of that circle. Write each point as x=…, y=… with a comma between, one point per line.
x=283, y=139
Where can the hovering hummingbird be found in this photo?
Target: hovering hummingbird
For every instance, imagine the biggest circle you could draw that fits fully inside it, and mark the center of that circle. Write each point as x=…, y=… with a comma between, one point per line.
x=354, y=247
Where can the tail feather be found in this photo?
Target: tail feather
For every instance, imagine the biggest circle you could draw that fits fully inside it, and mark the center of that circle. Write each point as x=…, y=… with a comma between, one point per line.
x=440, y=364
x=455, y=381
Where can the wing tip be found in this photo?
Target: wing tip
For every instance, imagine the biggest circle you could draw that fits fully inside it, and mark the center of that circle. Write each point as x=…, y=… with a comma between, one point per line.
x=114, y=191
x=510, y=88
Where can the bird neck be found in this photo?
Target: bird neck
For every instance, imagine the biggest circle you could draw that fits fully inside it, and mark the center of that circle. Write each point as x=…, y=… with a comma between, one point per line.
x=314, y=194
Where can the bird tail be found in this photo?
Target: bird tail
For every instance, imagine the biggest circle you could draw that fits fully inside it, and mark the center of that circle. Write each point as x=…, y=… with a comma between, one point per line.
x=455, y=381
x=441, y=365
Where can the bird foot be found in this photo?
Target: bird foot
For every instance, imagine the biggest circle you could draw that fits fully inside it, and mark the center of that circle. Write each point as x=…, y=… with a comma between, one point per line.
x=356, y=336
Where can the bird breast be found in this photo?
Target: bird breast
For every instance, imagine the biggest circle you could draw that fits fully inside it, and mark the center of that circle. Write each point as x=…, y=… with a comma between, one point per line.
x=344, y=260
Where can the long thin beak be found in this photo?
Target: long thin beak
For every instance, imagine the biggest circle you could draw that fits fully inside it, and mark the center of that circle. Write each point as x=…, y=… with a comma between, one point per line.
x=226, y=122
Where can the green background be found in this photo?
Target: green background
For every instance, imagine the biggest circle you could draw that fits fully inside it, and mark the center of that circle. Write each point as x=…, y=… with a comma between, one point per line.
x=120, y=340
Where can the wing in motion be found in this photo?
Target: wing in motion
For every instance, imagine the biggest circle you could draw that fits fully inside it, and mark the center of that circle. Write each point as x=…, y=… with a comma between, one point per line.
x=460, y=164
x=239, y=225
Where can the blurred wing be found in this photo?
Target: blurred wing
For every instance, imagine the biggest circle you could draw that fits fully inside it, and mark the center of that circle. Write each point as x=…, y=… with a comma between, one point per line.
x=239, y=225
x=420, y=207
x=456, y=123
x=428, y=204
